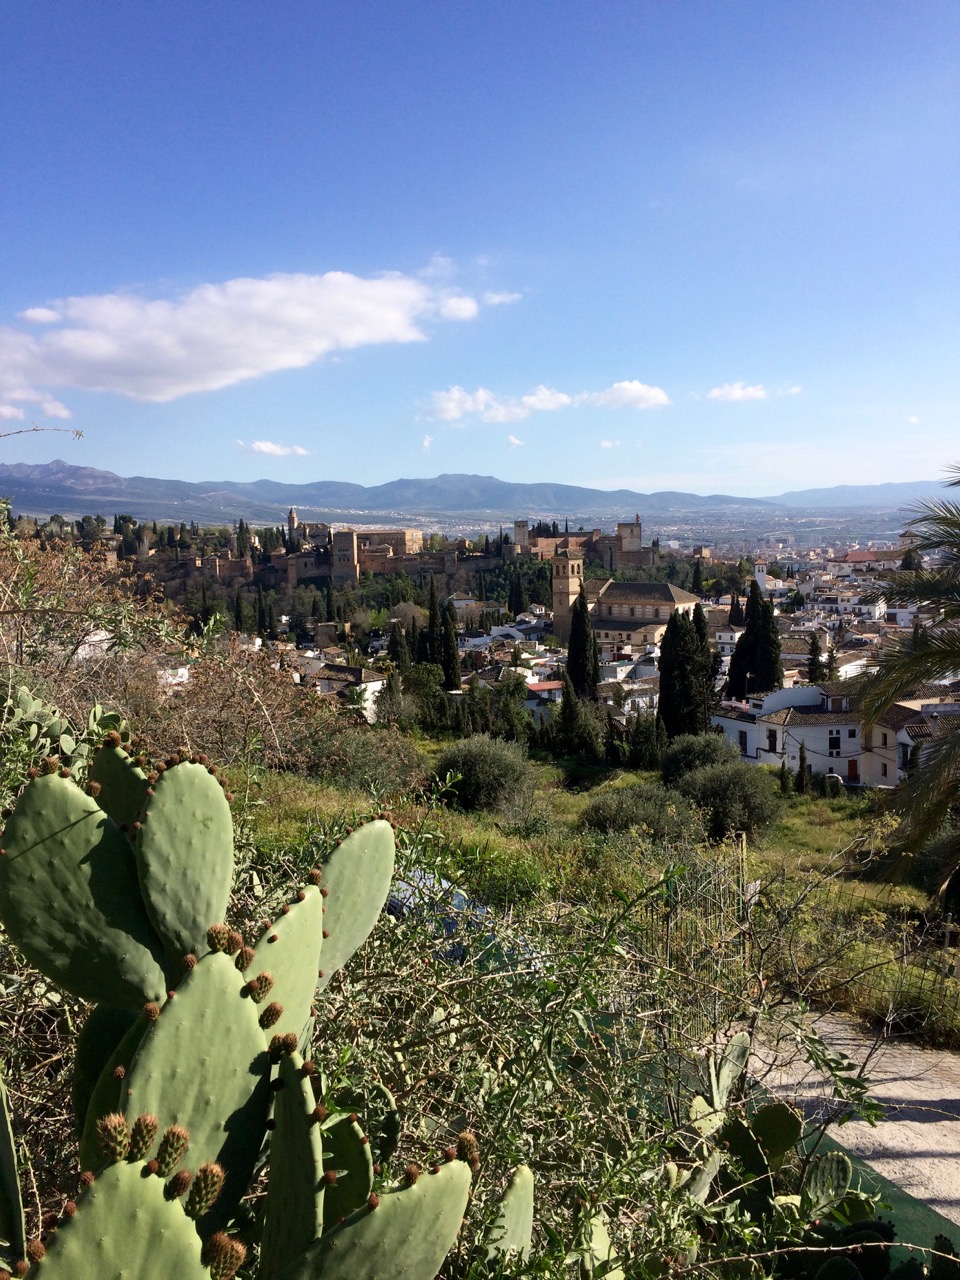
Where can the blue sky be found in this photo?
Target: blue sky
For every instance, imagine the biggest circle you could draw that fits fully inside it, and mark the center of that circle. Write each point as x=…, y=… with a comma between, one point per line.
x=709, y=246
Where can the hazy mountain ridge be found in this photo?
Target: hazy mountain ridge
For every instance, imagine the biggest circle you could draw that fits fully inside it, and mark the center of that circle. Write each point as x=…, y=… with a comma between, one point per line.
x=44, y=488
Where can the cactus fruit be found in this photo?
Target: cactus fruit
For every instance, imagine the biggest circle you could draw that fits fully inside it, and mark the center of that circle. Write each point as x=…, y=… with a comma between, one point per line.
x=944, y=1262
x=70, y=899
x=511, y=1231
x=407, y=1234
x=293, y=1214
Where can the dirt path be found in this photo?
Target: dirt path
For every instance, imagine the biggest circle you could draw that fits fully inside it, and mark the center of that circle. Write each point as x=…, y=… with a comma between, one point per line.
x=917, y=1143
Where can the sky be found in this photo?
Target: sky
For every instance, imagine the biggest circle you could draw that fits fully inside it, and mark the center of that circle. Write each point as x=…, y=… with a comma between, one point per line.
x=655, y=245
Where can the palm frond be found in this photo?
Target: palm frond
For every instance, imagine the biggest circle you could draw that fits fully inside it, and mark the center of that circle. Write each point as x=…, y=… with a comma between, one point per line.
x=931, y=655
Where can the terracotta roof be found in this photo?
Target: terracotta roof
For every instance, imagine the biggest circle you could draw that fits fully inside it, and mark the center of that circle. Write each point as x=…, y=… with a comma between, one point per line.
x=643, y=592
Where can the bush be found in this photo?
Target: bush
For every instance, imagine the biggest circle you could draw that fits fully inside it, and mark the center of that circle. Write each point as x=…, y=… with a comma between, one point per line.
x=733, y=796
x=493, y=774
x=695, y=751
x=664, y=815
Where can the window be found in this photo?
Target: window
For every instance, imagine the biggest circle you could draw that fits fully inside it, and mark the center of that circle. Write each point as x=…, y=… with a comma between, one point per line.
x=851, y=733
x=883, y=742
x=883, y=771
x=609, y=610
x=771, y=739
x=633, y=612
x=742, y=737
x=833, y=744
x=656, y=613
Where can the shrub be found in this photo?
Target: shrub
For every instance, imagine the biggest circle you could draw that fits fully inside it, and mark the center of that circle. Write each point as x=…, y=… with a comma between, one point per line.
x=493, y=774
x=733, y=796
x=664, y=815
x=695, y=751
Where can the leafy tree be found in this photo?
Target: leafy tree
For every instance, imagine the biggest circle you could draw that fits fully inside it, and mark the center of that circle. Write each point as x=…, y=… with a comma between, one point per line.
x=583, y=659
x=389, y=702
x=695, y=751
x=574, y=730
x=734, y=797
x=912, y=561
x=491, y=773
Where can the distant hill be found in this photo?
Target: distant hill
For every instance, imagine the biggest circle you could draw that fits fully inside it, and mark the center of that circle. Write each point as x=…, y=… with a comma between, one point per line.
x=43, y=489
x=875, y=496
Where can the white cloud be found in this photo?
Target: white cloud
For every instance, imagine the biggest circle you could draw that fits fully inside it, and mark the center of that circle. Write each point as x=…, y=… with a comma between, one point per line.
x=41, y=315
x=501, y=299
x=10, y=413
x=427, y=441
x=544, y=399
x=272, y=449
x=609, y=444
x=513, y=442
x=627, y=395
x=455, y=404
x=54, y=409
x=216, y=335
x=794, y=391
x=459, y=308
x=913, y=420
x=737, y=391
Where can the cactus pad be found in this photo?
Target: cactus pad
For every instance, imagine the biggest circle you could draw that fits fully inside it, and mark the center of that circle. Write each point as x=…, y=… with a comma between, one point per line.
x=108, y=1091
x=12, y=1230
x=123, y=784
x=290, y=950
x=826, y=1183
x=408, y=1234
x=184, y=853
x=356, y=878
x=725, y=1074
x=99, y=1038
x=512, y=1229
x=117, y=1229
x=70, y=900
x=777, y=1127
x=293, y=1217
x=203, y=1065
x=346, y=1153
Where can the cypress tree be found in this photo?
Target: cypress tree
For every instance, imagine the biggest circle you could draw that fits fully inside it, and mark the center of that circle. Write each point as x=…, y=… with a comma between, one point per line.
x=815, y=667
x=802, y=781
x=434, y=626
x=583, y=662
x=397, y=649
x=697, y=585
x=261, y=613
x=735, y=618
x=449, y=656
x=681, y=700
x=238, y=612
x=755, y=663
x=330, y=602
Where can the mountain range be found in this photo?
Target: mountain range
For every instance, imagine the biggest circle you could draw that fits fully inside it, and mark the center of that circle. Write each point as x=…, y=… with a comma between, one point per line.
x=44, y=488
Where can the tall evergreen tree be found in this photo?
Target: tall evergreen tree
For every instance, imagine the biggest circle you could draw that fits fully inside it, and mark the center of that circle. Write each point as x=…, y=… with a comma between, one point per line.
x=261, y=613
x=735, y=618
x=238, y=612
x=815, y=666
x=583, y=659
x=802, y=782
x=330, y=602
x=696, y=586
x=681, y=700
x=755, y=664
x=434, y=626
x=397, y=649
x=449, y=655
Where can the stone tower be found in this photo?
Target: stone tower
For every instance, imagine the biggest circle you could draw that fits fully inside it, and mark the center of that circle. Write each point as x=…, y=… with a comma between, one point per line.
x=293, y=537
x=567, y=584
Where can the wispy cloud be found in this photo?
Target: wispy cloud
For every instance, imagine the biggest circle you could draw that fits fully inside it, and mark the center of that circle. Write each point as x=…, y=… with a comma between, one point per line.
x=501, y=299
x=913, y=420
x=793, y=391
x=10, y=413
x=427, y=442
x=738, y=391
x=456, y=404
x=513, y=442
x=273, y=449
x=216, y=335
x=609, y=444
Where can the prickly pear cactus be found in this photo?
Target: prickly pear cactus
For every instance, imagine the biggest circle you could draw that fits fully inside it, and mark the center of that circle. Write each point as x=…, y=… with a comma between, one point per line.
x=12, y=1229
x=511, y=1231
